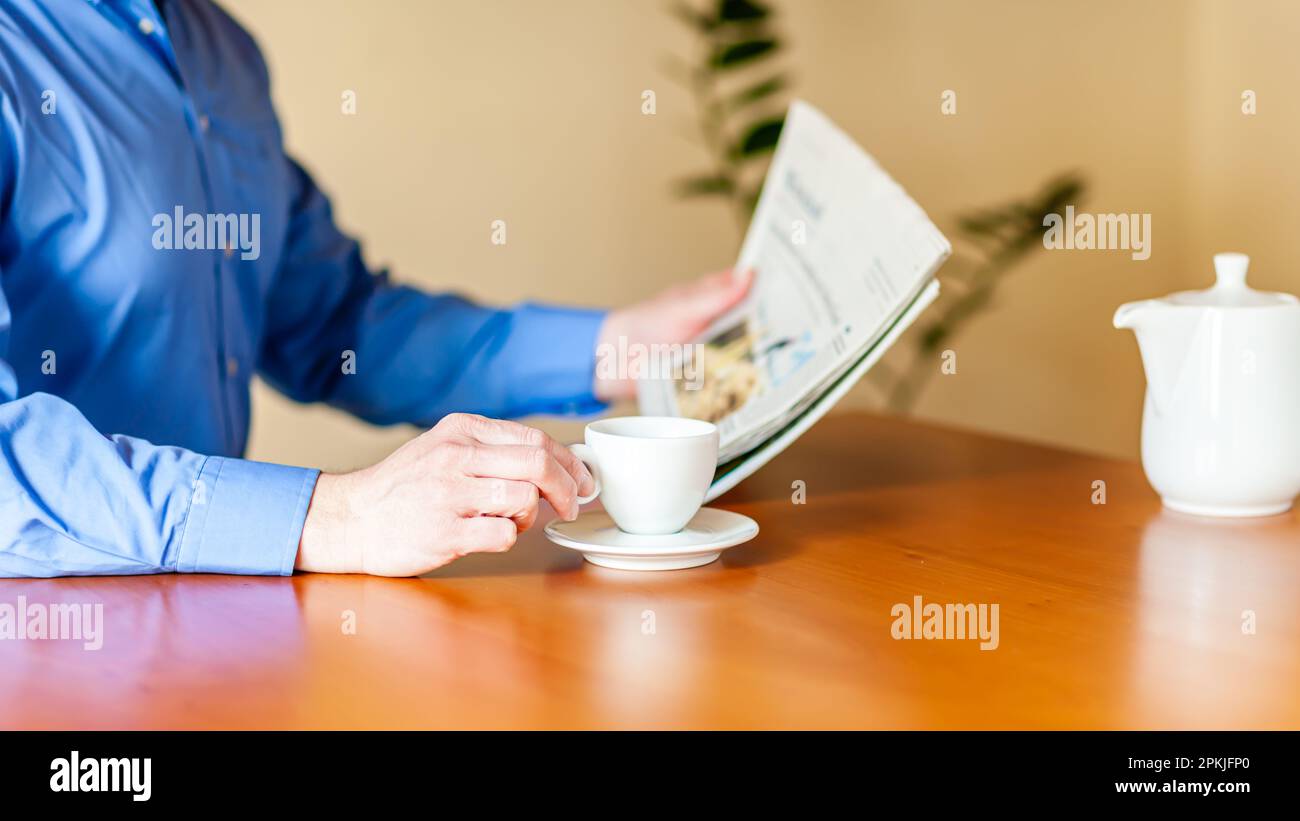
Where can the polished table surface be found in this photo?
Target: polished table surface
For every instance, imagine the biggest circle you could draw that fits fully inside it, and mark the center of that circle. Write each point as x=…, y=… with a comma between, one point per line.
x=1114, y=615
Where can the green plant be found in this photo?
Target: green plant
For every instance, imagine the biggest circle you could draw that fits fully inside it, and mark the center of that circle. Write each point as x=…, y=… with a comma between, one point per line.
x=737, y=98
x=1000, y=238
x=739, y=106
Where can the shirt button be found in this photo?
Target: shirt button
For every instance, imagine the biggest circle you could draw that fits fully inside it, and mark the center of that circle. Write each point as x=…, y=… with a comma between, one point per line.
x=146, y=27
x=203, y=122
x=232, y=366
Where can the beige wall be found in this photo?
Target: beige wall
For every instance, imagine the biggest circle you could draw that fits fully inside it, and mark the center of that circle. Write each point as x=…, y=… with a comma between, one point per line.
x=1246, y=168
x=529, y=112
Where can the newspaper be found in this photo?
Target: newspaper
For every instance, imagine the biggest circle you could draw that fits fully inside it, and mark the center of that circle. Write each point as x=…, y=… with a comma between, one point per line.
x=841, y=254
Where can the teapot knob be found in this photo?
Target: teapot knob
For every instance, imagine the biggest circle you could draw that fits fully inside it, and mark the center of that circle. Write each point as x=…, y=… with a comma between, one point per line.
x=1230, y=270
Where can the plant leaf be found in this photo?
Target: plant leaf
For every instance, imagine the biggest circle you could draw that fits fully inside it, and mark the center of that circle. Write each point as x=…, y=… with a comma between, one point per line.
x=761, y=137
x=731, y=11
x=758, y=91
x=705, y=184
x=1026, y=215
x=1067, y=190
x=933, y=336
x=735, y=54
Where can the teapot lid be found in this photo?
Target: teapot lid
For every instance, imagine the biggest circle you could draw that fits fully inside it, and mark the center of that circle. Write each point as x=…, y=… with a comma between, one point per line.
x=1230, y=289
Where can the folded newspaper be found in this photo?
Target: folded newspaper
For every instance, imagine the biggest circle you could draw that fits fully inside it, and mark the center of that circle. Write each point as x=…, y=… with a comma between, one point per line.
x=844, y=262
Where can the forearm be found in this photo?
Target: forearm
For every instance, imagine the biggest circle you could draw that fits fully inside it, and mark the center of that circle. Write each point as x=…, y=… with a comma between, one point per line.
x=81, y=503
x=404, y=356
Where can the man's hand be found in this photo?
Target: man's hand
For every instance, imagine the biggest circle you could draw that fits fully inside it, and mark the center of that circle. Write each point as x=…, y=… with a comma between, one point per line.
x=468, y=485
x=675, y=316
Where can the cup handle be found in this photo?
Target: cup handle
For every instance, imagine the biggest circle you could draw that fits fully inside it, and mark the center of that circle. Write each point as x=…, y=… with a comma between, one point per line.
x=588, y=458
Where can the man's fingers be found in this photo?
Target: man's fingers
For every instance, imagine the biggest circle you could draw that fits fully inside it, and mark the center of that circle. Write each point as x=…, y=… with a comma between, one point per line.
x=512, y=499
x=485, y=534
x=717, y=293
x=504, y=432
x=528, y=463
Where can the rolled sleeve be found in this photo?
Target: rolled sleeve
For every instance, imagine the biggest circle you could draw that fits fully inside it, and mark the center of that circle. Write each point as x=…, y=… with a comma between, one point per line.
x=245, y=518
x=551, y=357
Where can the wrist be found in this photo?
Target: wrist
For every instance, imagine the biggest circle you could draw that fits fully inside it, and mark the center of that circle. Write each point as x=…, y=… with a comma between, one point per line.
x=324, y=546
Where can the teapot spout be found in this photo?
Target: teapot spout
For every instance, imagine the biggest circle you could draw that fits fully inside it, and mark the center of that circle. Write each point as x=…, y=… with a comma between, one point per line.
x=1130, y=314
x=1163, y=349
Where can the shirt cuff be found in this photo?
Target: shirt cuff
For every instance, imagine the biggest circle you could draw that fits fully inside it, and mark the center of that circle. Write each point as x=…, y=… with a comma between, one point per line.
x=551, y=352
x=245, y=517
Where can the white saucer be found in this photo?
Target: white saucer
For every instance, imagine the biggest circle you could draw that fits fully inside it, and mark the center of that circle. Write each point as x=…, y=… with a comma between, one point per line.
x=702, y=540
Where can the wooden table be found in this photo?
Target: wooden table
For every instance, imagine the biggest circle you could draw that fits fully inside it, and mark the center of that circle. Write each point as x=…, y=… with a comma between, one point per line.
x=1115, y=615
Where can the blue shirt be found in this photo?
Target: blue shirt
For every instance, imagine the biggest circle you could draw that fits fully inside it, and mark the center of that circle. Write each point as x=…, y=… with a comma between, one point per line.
x=129, y=331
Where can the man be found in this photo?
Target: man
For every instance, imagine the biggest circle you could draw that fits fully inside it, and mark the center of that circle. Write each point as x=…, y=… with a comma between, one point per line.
x=157, y=248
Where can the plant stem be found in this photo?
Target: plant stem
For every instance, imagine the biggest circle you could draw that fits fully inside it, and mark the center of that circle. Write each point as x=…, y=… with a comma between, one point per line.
x=706, y=103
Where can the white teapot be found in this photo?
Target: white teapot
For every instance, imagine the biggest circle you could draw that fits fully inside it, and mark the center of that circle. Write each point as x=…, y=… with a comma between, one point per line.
x=1221, y=423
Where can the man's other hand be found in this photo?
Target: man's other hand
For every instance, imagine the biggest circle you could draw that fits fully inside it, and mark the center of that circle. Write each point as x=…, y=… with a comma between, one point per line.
x=675, y=316
x=468, y=485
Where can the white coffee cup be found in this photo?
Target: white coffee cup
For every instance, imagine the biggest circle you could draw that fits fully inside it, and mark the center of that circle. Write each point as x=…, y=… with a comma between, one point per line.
x=651, y=472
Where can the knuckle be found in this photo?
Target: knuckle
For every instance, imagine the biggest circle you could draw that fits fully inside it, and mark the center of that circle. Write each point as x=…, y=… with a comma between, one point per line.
x=524, y=499
x=463, y=422
x=451, y=420
x=534, y=437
